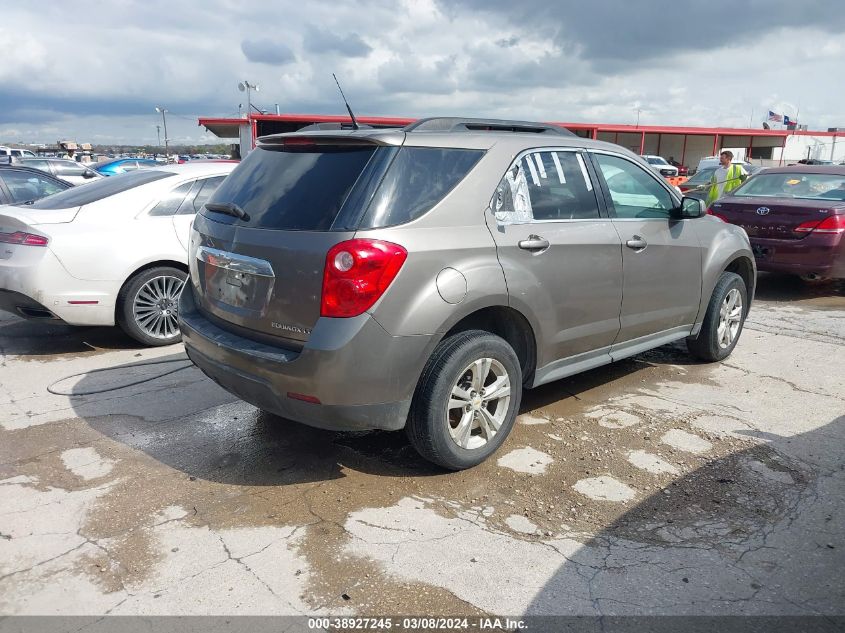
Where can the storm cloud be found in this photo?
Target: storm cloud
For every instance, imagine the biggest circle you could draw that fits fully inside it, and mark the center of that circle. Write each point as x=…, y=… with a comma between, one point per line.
x=267, y=52
x=713, y=63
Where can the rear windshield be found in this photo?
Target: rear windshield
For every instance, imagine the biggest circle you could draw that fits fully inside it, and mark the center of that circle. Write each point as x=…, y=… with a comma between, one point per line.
x=99, y=189
x=307, y=188
x=795, y=185
x=299, y=189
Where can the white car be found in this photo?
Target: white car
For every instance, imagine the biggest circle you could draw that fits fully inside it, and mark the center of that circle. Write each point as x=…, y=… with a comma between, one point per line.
x=68, y=170
x=661, y=166
x=112, y=252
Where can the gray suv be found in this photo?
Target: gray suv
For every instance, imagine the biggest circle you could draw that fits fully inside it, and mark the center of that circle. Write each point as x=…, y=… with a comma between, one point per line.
x=422, y=277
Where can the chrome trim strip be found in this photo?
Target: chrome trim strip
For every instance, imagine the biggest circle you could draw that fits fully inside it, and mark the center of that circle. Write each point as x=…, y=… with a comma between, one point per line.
x=234, y=262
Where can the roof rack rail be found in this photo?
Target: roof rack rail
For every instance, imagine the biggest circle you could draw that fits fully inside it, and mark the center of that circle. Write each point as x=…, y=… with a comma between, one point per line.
x=458, y=124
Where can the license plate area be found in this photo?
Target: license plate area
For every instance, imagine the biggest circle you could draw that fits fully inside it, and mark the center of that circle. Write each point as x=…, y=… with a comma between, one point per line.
x=235, y=283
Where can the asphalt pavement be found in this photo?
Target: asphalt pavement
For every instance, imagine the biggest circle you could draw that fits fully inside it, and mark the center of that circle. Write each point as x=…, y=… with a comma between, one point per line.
x=132, y=484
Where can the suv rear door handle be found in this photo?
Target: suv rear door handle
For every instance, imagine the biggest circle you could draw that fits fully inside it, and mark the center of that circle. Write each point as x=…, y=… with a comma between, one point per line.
x=534, y=243
x=637, y=243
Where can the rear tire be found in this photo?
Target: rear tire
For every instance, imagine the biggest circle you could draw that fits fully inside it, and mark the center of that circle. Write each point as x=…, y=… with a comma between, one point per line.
x=723, y=320
x=147, y=306
x=466, y=400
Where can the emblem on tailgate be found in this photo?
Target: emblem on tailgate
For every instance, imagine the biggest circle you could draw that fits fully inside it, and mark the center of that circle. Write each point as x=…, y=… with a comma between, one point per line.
x=763, y=210
x=290, y=328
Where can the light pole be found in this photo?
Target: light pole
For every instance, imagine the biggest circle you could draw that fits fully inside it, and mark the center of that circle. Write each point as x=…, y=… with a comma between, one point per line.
x=248, y=87
x=163, y=112
x=158, y=133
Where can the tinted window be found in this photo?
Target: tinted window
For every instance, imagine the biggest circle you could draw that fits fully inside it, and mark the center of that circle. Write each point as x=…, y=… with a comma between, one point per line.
x=545, y=186
x=200, y=194
x=780, y=185
x=418, y=178
x=25, y=185
x=171, y=200
x=295, y=190
x=100, y=189
x=633, y=191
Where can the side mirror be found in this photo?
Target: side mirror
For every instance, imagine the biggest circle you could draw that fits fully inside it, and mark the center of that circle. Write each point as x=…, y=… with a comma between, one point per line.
x=88, y=173
x=690, y=208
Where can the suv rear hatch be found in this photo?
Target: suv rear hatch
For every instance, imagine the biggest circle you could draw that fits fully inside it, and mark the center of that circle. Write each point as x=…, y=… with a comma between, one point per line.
x=259, y=252
x=260, y=244
x=781, y=205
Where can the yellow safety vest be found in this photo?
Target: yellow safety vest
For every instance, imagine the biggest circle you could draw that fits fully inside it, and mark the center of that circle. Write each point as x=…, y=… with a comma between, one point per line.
x=732, y=181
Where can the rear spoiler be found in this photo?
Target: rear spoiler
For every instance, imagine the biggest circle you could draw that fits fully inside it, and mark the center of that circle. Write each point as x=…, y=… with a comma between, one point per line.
x=390, y=137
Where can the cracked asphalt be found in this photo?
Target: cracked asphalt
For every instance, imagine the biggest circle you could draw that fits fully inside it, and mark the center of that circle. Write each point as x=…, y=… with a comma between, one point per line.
x=657, y=485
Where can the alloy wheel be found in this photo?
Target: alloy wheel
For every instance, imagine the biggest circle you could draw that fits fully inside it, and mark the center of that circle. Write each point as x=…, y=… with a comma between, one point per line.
x=155, y=307
x=730, y=318
x=479, y=403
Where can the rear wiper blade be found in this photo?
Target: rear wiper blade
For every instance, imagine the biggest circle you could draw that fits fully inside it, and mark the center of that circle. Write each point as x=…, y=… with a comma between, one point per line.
x=229, y=208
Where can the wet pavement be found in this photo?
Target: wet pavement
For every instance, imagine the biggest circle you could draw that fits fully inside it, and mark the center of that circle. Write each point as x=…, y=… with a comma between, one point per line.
x=131, y=484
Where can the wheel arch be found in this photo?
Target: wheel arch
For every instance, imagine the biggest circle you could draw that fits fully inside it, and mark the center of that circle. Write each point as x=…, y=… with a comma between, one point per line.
x=141, y=268
x=509, y=324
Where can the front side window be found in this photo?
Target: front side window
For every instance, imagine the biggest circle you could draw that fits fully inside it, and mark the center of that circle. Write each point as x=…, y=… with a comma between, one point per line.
x=26, y=186
x=545, y=186
x=633, y=191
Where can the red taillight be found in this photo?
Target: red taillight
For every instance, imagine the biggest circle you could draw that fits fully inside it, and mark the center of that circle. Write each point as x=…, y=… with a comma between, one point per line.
x=716, y=215
x=357, y=273
x=831, y=224
x=26, y=239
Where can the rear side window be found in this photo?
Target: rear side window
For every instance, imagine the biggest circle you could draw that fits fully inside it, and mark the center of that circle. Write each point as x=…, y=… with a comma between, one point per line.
x=545, y=186
x=299, y=189
x=418, y=179
x=77, y=196
x=201, y=193
x=171, y=200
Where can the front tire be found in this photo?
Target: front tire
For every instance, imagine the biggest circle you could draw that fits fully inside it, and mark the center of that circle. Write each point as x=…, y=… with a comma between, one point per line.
x=723, y=320
x=466, y=401
x=147, y=306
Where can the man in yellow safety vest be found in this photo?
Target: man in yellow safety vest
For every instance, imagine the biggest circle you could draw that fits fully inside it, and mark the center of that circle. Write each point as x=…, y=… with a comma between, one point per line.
x=726, y=178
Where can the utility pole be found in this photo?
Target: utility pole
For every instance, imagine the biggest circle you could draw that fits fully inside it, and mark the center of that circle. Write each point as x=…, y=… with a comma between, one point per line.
x=158, y=133
x=163, y=112
x=638, y=110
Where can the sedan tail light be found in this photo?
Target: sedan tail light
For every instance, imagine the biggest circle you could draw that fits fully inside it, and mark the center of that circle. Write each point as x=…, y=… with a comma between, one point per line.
x=831, y=224
x=356, y=275
x=25, y=239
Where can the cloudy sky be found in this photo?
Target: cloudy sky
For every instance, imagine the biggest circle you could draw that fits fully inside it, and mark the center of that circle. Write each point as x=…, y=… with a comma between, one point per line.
x=95, y=70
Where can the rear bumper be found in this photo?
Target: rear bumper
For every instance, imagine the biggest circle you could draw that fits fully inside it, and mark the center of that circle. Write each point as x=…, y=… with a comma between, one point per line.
x=823, y=255
x=33, y=281
x=363, y=377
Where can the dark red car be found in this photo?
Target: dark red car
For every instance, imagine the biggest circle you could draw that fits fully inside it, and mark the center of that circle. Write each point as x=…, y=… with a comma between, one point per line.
x=794, y=217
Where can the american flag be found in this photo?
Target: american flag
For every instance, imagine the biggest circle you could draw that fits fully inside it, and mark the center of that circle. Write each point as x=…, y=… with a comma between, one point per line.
x=777, y=118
